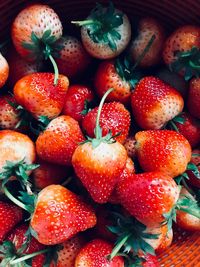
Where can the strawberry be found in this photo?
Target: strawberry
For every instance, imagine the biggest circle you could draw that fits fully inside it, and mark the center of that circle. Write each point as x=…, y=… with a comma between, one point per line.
x=150, y=261
x=165, y=241
x=8, y=114
x=59, y=140
x=94, y=254
x=148, y=27
x=193, y=177
x=114, y=118
x=181, y=50
x=38, y=95
x=60, y=214
x=4, y=70
x=106, y=32
x=163, y=150
x=154, y=103
x=77, y=101
x=129, y=144
x=158, y=193
x=194, y=98
x=73, y=59
x=10, y=216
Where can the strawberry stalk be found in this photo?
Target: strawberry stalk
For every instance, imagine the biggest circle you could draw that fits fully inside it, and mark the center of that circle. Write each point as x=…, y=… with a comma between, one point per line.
x=86, y=22
x=55, y=69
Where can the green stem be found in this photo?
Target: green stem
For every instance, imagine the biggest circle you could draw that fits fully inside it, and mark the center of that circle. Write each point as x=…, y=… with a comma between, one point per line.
x=86, y=22
x=194, y=212
x=173, y=126
x=187, y=187
x=29, y=256
x=195, y=154
x=99, y=112
x=14, y=200
x=117, y=248
x=55, y=69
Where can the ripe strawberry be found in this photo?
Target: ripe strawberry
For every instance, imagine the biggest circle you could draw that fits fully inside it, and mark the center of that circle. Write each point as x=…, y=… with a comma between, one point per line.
x=185, y=220
x=94, y=254
x=60, y=214
x=73, y=59
x=194, y=98
x=158, y=193
x=163, y=150
x=194, y=179
x=106, y=32
x=154, y=103
x=181, y=50
x=8, y=114
x=10, y=216
x=114, y=118
x=166, y=240
x=146, y=29
x=4, y=70
x=78, y=99
x=38, y=95
x=59, y=140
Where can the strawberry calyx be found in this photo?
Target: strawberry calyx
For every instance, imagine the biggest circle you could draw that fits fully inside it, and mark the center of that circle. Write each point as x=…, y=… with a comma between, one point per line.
x=184, y=176
x=172, y=123
x=188, y=61
x=102, y=25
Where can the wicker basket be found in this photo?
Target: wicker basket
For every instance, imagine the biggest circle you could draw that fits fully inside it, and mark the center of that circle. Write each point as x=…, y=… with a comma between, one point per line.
x=185, y=250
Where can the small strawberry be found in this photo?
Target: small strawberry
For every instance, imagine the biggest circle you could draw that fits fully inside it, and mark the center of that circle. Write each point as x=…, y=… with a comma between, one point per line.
x=73, y=58
x=60, y=214
x=59, y=140
x=163, y=150
x=77, y=101
x=148, y=27
x=4, y=70
x=194, y=178
x=10, y=216
x=154, y=103
x=194, y=98
x=181, y=51
x=39, y=96
x=106, y=32
x=114, y=118
x=94, y=254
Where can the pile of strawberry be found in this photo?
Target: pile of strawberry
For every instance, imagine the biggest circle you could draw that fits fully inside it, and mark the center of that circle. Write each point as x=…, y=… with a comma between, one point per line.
x=99, y=150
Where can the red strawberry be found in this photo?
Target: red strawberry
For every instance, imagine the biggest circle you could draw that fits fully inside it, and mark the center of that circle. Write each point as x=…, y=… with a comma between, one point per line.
x=148, y=196
x=193, y=179
x=181, y=50
x=77, y=100
x=4, y=70
x=154, y=103
x=37, y=94
x=8, y=114
x=114, y=117
x=10, y=216
x=59, y=140
x=110, y=37
x=163, y=150
x=150, y=261
x=73, y=59
x=146, y=29
x=60, y=214
x=94, y=254
x=194, y=98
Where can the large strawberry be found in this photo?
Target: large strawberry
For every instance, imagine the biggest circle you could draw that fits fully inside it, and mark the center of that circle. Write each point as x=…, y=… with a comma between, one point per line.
x=114, y=118
x=60, y=214
x=59, y=140
x=98, y=162
x=163, y=150
x=194, y=98
x=4, y=70
x=37, y=93
x=106, y=32
x=154, y=103
x=94, y=254
x=181, y=51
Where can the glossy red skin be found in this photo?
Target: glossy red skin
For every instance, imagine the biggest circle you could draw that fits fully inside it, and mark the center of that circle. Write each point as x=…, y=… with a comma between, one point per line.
x=59, y=140
x=18, y=237
x=10, y=216
x=94, y=253
x=193, y=180
x=151, y=261
x=114, y=117
x=4, y=70
x=37, y=93
x=75, y=101
x=99, y=168
x=148, y=196
x=59, y=215
x=163, y=150
x=154, y=103
x=194, y=98
x=190, y=129
x=107, y=77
